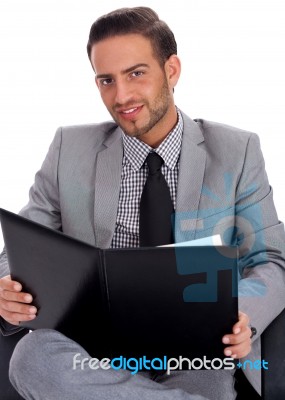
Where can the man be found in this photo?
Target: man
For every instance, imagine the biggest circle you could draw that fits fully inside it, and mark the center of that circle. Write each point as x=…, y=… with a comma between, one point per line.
x=90, y=186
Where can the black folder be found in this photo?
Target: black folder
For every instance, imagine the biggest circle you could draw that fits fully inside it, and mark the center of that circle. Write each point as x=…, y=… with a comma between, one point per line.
x=133, y=302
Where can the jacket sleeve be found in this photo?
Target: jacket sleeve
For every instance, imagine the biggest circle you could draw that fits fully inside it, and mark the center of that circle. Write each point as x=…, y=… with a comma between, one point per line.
x=261, y=241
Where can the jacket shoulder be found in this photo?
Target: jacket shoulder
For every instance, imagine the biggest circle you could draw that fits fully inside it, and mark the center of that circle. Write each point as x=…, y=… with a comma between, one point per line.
x=99, y=131
x=220, y=131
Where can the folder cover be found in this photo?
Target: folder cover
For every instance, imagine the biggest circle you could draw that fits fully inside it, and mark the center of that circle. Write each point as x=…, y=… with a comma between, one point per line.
x=132, y=302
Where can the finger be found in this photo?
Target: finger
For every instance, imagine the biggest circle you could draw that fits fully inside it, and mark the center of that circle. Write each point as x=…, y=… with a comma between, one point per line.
x=244, y=335
x=242, y=322
x=16, y=318
x=240, y=331
x=16, y=312
x=15, y=307
x=238, y=351
x=7, y=283
x=19, y=297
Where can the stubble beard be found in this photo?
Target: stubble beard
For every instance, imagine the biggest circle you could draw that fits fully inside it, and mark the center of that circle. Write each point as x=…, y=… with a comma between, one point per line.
x=157, y=112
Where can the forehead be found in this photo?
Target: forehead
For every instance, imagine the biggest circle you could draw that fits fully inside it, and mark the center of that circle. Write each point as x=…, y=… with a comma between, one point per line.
x=119, y=52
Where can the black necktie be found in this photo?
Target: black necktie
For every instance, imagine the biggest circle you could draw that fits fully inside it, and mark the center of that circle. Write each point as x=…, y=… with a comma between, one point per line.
x=156, y=206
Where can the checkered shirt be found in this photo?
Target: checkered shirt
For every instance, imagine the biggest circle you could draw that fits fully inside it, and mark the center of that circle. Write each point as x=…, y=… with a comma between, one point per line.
x=133, y=178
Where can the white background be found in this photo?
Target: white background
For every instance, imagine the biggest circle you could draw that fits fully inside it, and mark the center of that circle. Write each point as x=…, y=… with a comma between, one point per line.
x=233, y=58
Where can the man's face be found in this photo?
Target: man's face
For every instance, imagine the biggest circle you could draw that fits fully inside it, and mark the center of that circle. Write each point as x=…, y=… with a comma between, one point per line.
x=136, y=90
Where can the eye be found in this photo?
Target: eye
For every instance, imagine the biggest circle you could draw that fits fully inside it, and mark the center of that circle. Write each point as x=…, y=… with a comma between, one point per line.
x=135, y=74
x=106, y=81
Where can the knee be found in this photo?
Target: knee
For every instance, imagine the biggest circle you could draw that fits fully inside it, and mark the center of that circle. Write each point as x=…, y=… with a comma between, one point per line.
x=28, y=354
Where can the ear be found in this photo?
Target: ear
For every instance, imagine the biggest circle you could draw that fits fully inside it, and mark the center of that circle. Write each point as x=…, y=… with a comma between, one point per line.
x=172, y=70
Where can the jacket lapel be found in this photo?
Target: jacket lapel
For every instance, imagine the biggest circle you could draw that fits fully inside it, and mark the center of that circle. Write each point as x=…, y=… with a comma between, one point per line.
x=190, y=181
x=107, y=188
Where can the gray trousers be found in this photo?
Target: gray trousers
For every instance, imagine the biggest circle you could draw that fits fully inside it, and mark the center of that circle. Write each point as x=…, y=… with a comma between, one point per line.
x=42, y=367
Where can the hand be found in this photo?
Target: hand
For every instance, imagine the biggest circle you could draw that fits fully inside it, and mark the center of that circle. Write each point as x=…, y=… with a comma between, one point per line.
x=240, y=340
x=14, y=304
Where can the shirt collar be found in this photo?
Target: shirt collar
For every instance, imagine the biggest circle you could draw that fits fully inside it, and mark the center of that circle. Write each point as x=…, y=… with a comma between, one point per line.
x=136, y=151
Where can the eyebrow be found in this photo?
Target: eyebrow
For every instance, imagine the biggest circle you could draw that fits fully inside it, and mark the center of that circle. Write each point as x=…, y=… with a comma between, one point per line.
x=125, y=71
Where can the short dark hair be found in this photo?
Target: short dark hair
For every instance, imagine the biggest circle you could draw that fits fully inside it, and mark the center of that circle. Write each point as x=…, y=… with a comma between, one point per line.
x=140, y=20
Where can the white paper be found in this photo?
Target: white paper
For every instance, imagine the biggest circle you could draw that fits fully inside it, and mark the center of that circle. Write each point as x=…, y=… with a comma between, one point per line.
x=214, y=240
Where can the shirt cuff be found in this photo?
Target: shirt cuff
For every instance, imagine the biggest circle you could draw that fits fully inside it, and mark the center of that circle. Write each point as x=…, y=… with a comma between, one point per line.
x=8, y=329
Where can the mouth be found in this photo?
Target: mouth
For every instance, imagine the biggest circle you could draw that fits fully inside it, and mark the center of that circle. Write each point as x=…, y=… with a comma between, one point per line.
x=129, y=113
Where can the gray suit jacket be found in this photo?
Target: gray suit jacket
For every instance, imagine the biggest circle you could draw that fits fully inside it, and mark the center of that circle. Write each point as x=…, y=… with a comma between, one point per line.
x=222, y=188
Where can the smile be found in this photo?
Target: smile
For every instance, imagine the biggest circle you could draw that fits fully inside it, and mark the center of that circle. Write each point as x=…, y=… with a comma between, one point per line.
x=130, y=113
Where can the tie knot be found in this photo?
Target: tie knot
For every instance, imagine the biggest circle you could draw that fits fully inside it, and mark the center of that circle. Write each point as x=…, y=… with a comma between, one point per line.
x=154, y=162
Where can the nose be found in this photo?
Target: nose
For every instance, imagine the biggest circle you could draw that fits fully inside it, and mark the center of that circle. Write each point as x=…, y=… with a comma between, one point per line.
x=123, y=92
